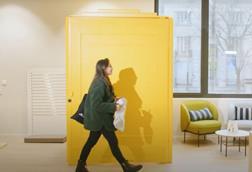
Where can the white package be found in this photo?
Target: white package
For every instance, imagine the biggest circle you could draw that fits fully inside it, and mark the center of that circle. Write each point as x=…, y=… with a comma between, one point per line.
x=119, y=116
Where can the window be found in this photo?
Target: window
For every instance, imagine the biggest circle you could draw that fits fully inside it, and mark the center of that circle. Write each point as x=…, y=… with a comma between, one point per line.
x=183, y=47
x=232, y=38
x=187, y=40
x=236, y=16
x=212, y=47
x=183, y=17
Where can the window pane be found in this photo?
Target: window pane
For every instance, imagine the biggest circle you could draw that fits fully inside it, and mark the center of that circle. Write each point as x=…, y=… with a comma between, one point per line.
x=230, y=48
x=187, y=41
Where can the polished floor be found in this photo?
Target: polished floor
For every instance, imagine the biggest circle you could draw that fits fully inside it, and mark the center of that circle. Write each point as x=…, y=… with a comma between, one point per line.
x=18, y=156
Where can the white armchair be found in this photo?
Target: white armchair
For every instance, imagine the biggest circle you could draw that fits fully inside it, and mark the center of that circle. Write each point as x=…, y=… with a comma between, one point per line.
x=250, y=152
x=242, y=124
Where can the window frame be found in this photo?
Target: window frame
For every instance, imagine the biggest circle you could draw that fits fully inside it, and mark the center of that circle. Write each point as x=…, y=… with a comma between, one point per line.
x=204, y=59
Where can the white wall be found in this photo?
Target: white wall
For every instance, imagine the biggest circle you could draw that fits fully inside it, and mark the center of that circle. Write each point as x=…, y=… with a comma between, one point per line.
x=32, y=35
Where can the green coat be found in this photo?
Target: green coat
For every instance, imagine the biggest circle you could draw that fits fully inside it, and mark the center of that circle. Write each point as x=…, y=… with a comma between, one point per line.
x=99, y=107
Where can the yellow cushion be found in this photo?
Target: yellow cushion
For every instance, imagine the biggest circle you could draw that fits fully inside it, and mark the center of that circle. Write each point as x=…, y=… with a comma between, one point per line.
x=204, y=126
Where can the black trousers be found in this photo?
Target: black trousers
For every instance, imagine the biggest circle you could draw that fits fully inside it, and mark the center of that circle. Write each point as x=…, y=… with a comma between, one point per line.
x=94, y=137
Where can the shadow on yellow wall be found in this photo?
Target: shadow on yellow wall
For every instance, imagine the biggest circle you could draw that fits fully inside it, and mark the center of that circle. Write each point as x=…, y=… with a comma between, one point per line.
x=137, y=120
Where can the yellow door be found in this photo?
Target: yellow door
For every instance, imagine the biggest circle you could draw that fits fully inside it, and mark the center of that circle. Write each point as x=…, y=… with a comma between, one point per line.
x=140, y=51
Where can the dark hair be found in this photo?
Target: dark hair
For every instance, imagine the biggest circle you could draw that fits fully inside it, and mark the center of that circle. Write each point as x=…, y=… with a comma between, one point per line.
x=101, y=65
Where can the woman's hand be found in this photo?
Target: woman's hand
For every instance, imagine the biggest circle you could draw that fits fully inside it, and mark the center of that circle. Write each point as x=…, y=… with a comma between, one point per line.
x=117, y=98
x=118, y=107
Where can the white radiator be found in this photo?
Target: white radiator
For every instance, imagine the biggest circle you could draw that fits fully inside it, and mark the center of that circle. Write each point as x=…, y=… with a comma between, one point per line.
x=46, y=102
x=250, y=151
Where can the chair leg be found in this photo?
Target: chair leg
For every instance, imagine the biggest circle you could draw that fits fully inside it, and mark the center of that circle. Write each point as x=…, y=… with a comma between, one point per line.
x=204, y=137
x=198, y=139
x=184, y=136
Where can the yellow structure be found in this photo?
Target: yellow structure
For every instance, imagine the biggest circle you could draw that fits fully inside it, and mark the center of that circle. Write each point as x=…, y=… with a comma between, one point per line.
x=139, y=46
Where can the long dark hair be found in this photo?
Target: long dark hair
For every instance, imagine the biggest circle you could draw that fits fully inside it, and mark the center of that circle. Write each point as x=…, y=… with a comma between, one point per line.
x=100, y=73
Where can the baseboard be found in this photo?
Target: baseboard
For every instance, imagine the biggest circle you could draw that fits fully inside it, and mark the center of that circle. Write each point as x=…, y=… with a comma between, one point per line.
x=190, y=135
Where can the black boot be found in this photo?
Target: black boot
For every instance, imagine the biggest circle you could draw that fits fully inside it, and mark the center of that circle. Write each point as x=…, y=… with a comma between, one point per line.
x=127, y=167
x=81, y=166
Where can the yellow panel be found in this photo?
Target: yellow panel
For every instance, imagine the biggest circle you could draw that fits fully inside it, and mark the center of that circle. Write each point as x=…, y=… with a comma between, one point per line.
x=140, y=51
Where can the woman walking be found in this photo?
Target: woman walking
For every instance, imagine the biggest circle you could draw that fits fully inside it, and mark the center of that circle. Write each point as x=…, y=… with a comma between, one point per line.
x=100, y=107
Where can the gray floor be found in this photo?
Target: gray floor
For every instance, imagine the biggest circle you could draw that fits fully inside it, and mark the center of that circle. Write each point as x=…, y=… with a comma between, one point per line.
x=30, y=157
